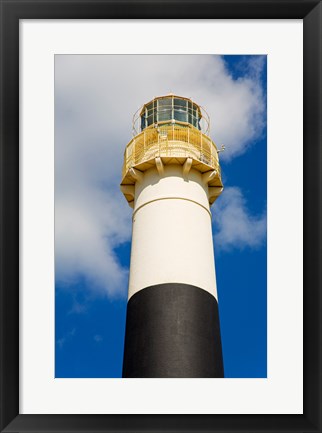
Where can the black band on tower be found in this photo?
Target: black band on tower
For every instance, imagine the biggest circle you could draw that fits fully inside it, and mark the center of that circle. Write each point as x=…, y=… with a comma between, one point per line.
x=172, y=330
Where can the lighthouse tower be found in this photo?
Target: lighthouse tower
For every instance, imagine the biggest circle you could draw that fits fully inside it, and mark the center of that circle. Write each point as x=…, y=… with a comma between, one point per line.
x=171, y=176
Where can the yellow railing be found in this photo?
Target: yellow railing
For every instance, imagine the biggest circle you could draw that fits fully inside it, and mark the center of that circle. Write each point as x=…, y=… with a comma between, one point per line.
x=170, y=141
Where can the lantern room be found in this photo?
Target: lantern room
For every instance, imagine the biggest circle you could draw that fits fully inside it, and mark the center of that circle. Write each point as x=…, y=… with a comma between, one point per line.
x=171, y=130
x=171, y=109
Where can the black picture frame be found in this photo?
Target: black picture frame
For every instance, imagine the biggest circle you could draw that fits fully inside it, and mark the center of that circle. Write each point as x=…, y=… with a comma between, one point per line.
x=14, y=10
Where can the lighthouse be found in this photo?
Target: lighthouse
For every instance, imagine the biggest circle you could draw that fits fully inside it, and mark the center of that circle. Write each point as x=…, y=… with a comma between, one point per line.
x=170, y=177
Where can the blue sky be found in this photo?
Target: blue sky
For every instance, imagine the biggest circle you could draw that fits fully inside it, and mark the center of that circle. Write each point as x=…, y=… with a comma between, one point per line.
x=95, y=98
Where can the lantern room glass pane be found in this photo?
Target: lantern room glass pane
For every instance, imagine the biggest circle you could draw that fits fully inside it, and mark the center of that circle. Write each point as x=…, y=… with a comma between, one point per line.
x=149, y=107
x=181, y=115
x=143, y=125
x=165, y=103
x=180, y=110
x=164, y=109
x=150, y=119
x=192, y=115
x=180, y=104
x=151, y=113
x=164, y=115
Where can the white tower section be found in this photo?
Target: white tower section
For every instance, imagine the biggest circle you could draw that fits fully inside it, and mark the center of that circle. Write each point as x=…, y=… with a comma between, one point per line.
x=172, y=236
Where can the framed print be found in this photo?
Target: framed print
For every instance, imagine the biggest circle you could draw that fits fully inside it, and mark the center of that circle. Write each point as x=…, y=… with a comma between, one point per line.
x=113, y=317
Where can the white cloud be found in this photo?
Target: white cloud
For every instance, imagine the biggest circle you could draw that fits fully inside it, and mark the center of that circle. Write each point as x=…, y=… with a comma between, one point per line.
x=88, y=225
x=95, y=98
x=234, y=226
